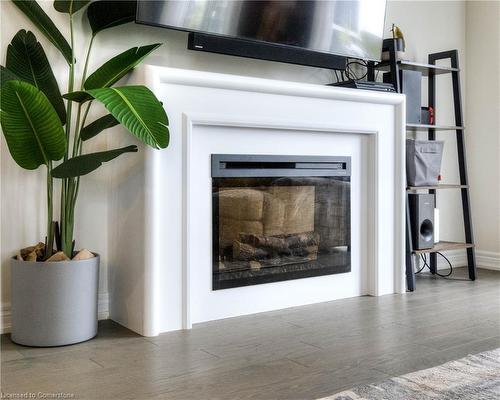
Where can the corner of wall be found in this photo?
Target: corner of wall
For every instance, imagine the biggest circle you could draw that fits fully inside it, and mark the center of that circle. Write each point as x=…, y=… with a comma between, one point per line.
x=482, y=118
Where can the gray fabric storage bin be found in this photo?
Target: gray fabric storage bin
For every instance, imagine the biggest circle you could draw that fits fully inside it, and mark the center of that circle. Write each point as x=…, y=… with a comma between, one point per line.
x=423, y=162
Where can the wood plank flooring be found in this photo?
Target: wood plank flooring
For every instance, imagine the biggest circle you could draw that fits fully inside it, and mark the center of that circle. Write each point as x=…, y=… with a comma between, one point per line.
x=299, y=353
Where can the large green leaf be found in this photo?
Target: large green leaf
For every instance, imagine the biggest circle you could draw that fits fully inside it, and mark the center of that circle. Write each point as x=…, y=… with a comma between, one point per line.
x=6, y=75
x=104, y=14
x=137, y=108
x=43, y=22
x=82, y=165
x=26, y=58
x=32, y=129
x=70, y=6
x=79, y=96
x=116, y=68
x=96, y=127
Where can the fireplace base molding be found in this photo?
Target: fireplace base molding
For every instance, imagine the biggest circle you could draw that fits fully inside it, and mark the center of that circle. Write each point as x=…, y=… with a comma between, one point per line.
x=162, y=213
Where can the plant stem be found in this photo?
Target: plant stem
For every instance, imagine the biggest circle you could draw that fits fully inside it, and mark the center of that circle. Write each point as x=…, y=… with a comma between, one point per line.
x=78, y=143
x=79, y=127
x=71, y=83
x=74, y=183
x=66, y=239
x=87, y=57
x=50, y=224
x=76, y=136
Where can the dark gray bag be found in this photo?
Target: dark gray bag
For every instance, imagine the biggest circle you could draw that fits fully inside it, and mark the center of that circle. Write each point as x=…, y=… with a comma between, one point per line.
x=423, y=162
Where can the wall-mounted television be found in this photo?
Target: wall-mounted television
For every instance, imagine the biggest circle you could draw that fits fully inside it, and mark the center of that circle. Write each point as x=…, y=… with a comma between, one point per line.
x=345, y=28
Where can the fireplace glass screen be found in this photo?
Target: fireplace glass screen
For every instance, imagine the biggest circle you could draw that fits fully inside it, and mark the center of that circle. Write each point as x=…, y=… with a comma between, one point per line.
x=277, y=218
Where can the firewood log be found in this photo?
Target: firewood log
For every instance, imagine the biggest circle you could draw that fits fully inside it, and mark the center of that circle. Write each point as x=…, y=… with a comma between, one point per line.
x=302, y=239
x=59, y=256
x=31, y=256
x=282, y=244
x=255, y=265
x=271, y=243
x=246, y=252
x=38, y=249
x=83, y=254
x=305, y=251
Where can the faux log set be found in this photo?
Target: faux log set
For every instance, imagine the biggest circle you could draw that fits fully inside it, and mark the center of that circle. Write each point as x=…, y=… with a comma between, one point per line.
x=257, y=251
x=281, y=243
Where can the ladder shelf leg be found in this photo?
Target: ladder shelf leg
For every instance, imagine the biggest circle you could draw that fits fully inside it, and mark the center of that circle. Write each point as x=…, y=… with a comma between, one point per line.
x=410, y=265
x=462, y=163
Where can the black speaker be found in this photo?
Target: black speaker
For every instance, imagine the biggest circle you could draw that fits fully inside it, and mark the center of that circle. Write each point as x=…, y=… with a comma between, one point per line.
x=264, y=51
x=411, y=86
x=422, y=220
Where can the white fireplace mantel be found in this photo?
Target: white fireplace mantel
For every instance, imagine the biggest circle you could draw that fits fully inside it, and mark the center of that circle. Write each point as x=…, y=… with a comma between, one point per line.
x=160, y=201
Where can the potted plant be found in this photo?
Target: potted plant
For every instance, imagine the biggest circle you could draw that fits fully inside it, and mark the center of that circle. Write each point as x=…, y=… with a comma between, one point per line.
x=54, y=285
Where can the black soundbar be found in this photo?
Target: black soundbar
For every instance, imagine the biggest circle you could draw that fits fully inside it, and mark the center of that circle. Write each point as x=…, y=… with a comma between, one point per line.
x=264, y=51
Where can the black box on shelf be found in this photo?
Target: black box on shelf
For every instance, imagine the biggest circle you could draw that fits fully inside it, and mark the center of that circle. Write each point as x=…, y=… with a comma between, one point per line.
x=411, y=86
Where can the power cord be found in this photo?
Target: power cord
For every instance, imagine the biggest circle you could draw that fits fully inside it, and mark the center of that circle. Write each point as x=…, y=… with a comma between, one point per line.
x=351, y=74
x=424, y=260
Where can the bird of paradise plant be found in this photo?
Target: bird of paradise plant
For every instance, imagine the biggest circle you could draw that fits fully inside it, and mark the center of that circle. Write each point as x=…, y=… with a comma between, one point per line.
x=43, y=127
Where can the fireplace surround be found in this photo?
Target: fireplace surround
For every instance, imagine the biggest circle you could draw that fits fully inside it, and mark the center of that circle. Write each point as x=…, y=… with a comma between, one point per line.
x=276, y=218
x=161, y=202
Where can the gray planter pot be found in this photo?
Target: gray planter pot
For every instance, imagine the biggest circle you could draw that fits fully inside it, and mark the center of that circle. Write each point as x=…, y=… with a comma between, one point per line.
x=54, y=303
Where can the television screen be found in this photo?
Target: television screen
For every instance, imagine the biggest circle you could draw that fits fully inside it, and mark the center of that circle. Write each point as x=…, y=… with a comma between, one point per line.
x=352, y=28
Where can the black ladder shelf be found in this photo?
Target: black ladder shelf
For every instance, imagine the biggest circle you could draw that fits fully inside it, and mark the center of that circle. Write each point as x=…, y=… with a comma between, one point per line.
x=431, y=70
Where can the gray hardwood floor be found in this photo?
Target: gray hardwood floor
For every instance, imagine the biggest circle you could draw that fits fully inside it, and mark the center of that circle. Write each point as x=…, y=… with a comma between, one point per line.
x=299, y=353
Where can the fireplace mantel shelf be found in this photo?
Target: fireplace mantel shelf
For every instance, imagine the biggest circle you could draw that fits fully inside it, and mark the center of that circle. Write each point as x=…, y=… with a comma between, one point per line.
x=164, y=281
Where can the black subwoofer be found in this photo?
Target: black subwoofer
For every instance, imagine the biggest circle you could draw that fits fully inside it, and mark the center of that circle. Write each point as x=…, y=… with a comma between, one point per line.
x=422, y=220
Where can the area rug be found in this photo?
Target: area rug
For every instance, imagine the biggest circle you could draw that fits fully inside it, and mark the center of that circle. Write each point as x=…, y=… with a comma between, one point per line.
x=470, y=378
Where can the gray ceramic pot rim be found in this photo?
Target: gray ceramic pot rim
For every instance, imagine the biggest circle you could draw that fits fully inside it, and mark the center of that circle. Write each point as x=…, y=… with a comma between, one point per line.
x=96, y=255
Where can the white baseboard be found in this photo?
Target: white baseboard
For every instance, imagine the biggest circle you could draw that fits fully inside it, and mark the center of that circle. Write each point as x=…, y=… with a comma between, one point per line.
x=103, y=306
x=488, y=260
x=6, y=320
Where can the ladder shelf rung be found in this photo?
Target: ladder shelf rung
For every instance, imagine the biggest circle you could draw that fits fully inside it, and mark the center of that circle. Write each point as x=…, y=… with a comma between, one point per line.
x=425, y=69
x=436, y=187
x=416, y=127
x=443, y=246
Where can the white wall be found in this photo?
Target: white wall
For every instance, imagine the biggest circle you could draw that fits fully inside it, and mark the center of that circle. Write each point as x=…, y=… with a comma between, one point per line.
x=428, y=26
x=483, y=125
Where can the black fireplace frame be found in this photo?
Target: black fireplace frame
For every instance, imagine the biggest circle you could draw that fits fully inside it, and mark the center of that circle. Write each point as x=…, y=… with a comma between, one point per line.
x=269, y=166
x=258, y=166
